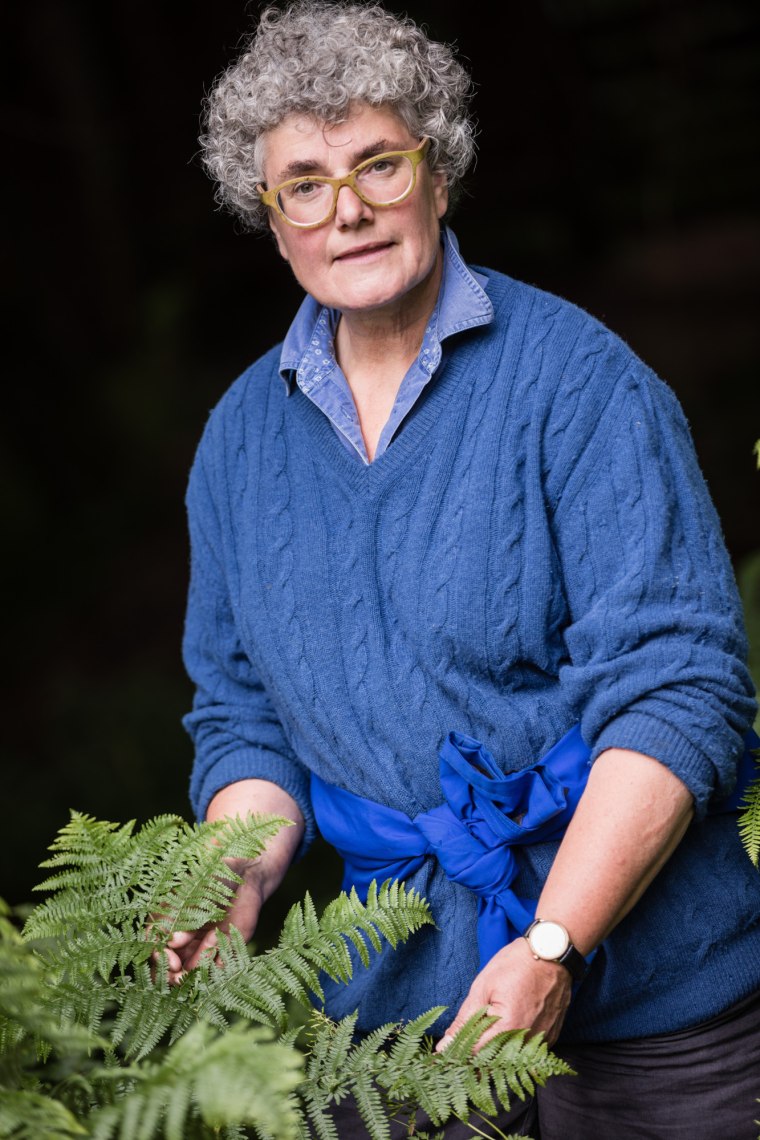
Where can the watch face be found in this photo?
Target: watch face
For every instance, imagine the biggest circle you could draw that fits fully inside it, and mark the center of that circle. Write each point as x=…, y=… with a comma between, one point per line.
x=549, y=940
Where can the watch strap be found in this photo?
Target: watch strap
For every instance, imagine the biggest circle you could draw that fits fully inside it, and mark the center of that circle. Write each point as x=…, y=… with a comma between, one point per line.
x=574, y=961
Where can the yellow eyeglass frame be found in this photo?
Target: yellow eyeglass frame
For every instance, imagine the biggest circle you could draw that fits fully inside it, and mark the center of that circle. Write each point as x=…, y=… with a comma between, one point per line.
x=415, y=157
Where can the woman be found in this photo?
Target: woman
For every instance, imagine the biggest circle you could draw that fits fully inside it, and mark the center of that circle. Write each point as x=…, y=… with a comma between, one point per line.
x=450, y=503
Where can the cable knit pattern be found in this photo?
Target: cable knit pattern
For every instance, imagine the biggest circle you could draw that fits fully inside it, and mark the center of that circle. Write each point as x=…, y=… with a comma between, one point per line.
x=536, y=548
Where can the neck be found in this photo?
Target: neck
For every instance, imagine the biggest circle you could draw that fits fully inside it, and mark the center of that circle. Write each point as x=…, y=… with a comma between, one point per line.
x=375, y=350
x=391, y=334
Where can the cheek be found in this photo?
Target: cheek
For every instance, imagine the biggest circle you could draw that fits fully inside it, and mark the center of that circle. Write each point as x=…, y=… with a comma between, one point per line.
x=441, y=195
x=282, y=247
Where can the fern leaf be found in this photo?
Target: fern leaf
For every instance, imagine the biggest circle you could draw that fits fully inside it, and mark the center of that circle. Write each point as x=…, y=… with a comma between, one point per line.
x=519, y=1063
x=252, y=987
x=169, y=868
x=392, y=913
x=370, y=1106
x=28, y=1023
x=98, y=952
x=749, y=821
x=407, y=1045
x=31, y=1116
x=321, y=1122
x=461, y=1048
x=241, y=1077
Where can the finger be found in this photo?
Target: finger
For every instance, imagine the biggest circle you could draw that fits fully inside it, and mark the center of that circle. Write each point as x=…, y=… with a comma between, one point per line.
x=172, y=960
x=168, y=962
x=182, y=938
x=205, y=948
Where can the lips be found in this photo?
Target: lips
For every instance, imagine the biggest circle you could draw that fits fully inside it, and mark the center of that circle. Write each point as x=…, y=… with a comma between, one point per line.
x=361, y=251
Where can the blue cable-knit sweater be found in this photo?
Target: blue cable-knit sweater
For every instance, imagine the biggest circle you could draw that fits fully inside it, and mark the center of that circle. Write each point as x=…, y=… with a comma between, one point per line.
x=537, y=547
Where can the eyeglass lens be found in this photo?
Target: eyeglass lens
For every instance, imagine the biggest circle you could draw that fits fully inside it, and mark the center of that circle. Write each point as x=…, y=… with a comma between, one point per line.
x=381, y=183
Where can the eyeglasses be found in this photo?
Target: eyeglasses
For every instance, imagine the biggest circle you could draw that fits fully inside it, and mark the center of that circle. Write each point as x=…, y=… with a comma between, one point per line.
x=384, y=180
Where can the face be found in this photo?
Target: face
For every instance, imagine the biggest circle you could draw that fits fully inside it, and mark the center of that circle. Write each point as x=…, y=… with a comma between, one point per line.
x=364, y=258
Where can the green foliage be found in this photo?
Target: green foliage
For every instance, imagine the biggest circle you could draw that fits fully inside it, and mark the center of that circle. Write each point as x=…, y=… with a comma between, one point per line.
x=749, y=586
x=748, y=578
x=95, y=1043
x=749, y=821
x=395, y=1071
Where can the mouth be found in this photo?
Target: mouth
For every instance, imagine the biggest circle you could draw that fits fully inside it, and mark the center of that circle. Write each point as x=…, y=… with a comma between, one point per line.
x=363, y=252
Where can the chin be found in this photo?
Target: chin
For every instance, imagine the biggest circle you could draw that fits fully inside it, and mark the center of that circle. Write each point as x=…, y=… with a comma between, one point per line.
x=367, y=303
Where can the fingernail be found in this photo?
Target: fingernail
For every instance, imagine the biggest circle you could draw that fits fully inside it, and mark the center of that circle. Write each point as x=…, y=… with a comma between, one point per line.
x=444, y=1043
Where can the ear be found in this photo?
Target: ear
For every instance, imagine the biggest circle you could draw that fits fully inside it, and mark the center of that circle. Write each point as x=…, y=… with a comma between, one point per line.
x=275, y=228
x=440, y=193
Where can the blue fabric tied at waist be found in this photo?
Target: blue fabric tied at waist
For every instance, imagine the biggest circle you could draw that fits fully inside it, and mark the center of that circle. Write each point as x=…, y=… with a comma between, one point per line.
x=472, y=834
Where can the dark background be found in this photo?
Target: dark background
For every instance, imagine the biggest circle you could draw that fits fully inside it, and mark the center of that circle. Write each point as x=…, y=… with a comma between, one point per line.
x=619, y=167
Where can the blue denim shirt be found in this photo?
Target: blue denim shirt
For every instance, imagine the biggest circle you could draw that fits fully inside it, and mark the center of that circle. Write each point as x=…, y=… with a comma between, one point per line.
x=308, y=355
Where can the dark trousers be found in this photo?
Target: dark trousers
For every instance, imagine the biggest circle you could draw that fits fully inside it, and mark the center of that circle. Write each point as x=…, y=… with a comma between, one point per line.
x=701, y=1083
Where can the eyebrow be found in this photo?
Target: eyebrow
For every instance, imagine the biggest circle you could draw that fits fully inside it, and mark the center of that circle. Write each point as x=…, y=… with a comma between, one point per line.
x=299, y=168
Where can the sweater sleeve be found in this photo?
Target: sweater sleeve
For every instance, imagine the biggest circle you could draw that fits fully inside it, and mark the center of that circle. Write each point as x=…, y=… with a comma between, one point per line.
x=656, y=649
x=234, y=727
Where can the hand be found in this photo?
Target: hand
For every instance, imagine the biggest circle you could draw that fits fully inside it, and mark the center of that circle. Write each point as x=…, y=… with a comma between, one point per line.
x=260, y=876
x=523, y=992
x=186, y=948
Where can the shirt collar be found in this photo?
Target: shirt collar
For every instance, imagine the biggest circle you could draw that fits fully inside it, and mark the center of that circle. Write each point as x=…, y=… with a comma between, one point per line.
x=307, y=355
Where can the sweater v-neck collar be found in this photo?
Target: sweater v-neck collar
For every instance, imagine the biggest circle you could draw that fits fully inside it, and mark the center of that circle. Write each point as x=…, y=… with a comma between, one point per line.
x=408, y=444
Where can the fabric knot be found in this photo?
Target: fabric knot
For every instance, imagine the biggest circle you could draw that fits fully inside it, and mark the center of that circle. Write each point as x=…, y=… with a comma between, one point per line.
x=474, y=833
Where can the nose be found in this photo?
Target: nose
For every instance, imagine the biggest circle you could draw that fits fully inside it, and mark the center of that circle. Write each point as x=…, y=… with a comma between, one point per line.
x=350, y=211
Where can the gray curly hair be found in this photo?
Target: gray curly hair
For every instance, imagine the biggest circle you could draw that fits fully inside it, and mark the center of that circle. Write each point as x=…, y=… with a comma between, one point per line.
x=316, y=57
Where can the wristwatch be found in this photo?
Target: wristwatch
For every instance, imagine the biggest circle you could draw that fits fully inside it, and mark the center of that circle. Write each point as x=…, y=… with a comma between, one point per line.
x=550, y=942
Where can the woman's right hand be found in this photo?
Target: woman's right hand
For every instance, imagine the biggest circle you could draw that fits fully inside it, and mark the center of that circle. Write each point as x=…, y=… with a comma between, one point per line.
x=260, y=877
x=186, y=948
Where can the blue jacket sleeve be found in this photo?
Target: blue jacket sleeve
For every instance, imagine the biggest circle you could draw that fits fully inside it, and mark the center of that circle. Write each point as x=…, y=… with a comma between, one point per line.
x=234, y=727
x=656, y=649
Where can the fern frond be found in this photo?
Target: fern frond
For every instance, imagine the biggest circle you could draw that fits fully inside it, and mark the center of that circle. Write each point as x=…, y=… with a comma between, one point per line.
x=240, y=988
x=370, y=1105
x=79, y=1000
x=28, y=1023
x=148, y=1011
x=98, y=952
x=410, y=1076
x=462, y=1045
x=84, y=841
x=331, y=1044
x=253, y=988
x=521, y=1061
x=393, y=913
x=193, y=885
x=749, y=821
x=168, y=868
x=32, y=1116
x=241, y=1077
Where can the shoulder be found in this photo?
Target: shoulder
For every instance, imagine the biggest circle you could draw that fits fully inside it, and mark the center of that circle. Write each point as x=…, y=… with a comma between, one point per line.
x=560, y=357
x=556, y=323
x=575, y=379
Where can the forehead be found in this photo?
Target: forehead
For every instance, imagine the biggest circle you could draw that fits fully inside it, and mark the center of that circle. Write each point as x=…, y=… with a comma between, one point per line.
x=331, y=148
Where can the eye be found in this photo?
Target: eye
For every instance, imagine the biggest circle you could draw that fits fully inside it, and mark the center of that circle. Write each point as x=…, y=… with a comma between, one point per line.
x=384, y=165
x=304, y=189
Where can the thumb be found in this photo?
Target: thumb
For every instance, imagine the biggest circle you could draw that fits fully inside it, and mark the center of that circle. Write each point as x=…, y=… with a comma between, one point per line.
x=181, y=938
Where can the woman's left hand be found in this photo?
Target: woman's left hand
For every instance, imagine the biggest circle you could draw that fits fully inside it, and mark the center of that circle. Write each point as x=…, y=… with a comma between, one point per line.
x=525, y=993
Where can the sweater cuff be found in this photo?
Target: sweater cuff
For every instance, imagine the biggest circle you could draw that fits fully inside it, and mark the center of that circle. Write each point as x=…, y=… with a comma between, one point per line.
x=641, y=732
x=253, y=764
